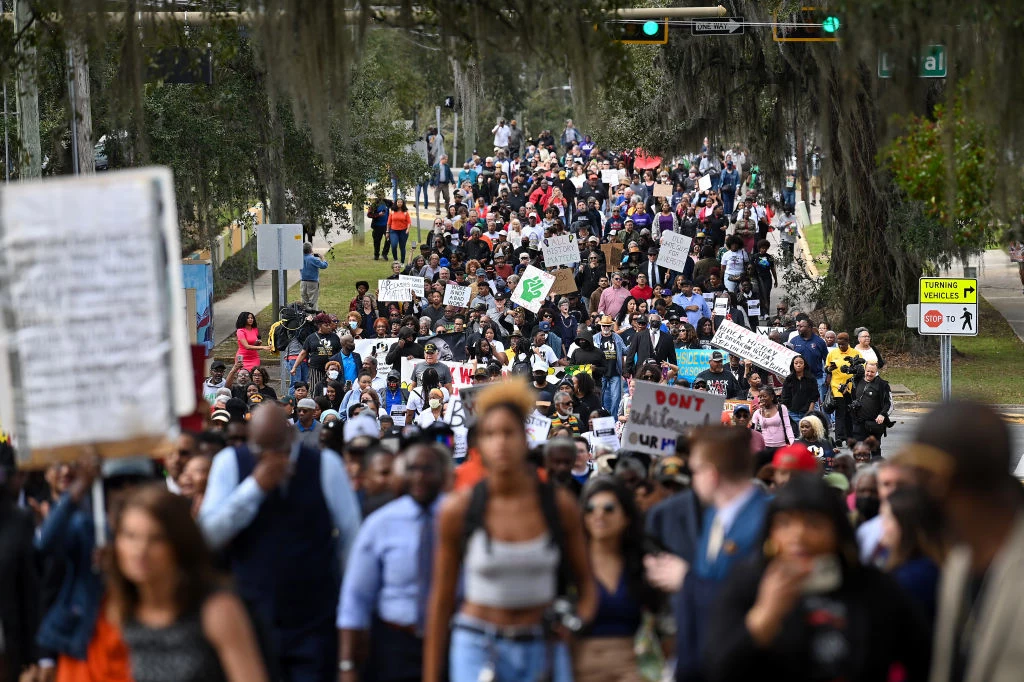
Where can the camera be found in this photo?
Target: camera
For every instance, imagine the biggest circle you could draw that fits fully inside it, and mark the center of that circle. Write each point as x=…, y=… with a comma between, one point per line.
x=563, y=613
x=855, y=367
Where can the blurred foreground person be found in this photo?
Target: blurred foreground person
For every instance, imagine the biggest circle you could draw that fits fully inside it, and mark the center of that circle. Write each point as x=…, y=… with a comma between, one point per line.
x=19, y=586
x=178, y=624
x=806, y=609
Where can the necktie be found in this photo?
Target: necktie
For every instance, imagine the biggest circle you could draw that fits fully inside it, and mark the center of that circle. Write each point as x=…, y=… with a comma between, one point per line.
x=654, y=341
x=715, y=538
x=424, y=566
x=654, y=275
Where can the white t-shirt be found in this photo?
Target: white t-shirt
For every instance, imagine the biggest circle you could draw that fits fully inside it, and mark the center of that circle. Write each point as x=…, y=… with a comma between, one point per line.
x=733, y=262
x=501, y=136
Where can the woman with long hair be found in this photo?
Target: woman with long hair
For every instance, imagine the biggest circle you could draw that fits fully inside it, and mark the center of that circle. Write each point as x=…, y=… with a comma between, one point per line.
x=808, y=610
x=512, y=537
x=687, y=336
x=813, y=435
x=626, y=312
x=613, y=527
x=261, y=380
x=178, y=622
x=705, y=332
x=799, y=390
x=585, y=396
x=772, y=420
x=398, y=226
x=912, y=535
x=248, y=336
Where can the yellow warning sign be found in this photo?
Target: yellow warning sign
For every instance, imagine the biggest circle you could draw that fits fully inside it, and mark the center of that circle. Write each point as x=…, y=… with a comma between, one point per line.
x=948, y=290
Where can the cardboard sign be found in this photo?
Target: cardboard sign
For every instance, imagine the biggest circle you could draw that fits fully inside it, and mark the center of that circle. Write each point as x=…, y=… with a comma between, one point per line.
x=415, y=283
x=610, y=177
x=560, y=250
x=457, y=296
x=93, y=335
x=674, y=251
x=663, y=189
x=660, y=413
x=692, y=361
x=612, y=256
x=537, y=429
x=752, y=346
x=565, y=283
x=394, y=290
x=704, y=183
x=533, y=286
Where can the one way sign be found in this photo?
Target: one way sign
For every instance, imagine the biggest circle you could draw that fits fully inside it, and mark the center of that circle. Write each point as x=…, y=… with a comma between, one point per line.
x=723, y=27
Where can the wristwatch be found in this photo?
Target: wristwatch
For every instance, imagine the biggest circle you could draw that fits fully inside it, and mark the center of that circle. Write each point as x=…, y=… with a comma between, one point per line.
x=346, y=666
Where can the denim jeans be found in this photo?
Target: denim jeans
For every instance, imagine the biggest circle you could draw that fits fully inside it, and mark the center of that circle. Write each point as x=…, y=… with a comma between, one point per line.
x=425, y=190
x=301, y=374
x=611, y=394
x=472, y=652
x=398, y=240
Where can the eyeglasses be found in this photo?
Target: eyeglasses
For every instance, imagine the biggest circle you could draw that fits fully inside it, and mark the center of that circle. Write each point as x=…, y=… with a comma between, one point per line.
x=607, y=508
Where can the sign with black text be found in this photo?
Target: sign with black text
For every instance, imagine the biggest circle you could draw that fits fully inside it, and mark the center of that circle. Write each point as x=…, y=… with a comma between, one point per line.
x=661, y=413
x=755, y=347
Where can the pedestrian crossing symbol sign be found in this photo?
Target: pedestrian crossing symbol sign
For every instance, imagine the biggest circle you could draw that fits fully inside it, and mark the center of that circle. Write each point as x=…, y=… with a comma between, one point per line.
x=948, y=306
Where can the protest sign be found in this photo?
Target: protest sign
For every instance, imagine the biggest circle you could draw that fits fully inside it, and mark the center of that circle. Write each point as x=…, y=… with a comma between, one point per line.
x=754, y=307
x=704, y=184
x=573, y=370
x=603, y=434
x=709, y=296
x=560, y=250
x=752, y=346
x=565, y=283
x=415, y=283
x=674, y=251
x=578, y=180
x=537, y=429
x=533, y=286
x=612, y=256
x=691, y=362
x=610, y=177
x=663, y=189
x=93, y=339
x=451, y=346
x=376, y=348
x=721, y=308
x=398, y=415
x=457, y=296
x=462, y=374
x=394, y=290
x=660, y=414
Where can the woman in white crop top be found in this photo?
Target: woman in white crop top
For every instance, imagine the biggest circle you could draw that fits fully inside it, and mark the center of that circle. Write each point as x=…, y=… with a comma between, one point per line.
x=511, y=566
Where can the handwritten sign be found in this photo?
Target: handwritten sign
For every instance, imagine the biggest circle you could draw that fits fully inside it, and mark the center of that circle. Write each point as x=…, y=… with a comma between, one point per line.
x=533, y=286
x=752, y=346
x=612, y=256
x=564, y=282
x=663, y=189
x=457, y=296
x=537, y=429
x=93, y=346
x=660, y=413
x=692, y=361
x=674, y=251
x=394, y=290
x=610, y=177
x=704, y=184
x=560, y=250
x=415, y=283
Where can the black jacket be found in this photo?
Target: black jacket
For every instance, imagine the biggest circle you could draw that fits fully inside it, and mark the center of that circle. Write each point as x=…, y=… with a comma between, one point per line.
x=640, y=350
x=19, y=589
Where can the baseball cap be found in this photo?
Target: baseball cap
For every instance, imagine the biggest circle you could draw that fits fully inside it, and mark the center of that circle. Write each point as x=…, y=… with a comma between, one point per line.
x=222, y=416
x=795, y=457
x=741, y=408
x=717, y=355
x=480, y=272
x=652, y=250
x=545, y=326
x=430, y=348
x=500, y=296
x=307, y=404
x=593, y=239
x=670, y=469
x=837, y=481
x=217, y=364
x=444, y=263
x=538, y=364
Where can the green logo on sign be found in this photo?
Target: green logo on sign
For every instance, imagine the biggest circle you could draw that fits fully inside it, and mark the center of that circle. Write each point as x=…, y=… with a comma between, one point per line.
x=532, y=288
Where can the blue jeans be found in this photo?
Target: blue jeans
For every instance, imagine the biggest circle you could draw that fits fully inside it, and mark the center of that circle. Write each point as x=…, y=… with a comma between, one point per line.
x=472, y=652
x=611, y=394
x=398, y=240
x=301, y=374
x=424, y=188
x=728, y=202
x=789, y=197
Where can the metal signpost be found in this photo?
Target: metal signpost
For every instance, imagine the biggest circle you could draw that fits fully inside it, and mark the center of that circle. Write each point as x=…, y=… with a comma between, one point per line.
x=948, y=307
x=279, y=247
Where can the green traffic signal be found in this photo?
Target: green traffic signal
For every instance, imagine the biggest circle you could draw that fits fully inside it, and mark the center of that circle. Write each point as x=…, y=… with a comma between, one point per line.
x=651, y=28
x=830, y=24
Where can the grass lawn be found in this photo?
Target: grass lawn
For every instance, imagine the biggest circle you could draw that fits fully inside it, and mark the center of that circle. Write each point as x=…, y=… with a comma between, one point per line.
x=984, y=366
x=816, y=240
x=349, y=263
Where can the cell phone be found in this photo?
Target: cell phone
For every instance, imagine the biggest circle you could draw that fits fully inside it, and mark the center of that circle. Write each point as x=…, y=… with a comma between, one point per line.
x=826, y=575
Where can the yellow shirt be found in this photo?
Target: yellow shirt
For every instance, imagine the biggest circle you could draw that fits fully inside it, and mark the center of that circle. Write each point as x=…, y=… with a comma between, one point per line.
x=839, y=358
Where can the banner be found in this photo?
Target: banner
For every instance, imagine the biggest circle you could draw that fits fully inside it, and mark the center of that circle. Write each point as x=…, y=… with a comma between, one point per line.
x=377, y=348
x=537, y=429
x=692, y=361
x=394, y=290
x=565, y=283
x=450, y=346
x=560, y=250
x=457, y=296
x=674, y=251
x=660, y=414
x=415, y=283
x=752, y=346
x=533, y=286
x=462, y=374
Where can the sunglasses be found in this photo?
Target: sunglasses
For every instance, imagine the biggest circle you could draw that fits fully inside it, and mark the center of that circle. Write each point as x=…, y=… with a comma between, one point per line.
x=607, y=508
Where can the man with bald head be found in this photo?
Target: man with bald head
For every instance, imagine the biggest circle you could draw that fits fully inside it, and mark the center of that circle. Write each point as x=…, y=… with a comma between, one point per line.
x=284, y=515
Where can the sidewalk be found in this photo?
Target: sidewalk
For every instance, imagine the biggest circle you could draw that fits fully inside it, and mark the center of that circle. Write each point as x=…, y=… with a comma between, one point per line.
x=1000, y=285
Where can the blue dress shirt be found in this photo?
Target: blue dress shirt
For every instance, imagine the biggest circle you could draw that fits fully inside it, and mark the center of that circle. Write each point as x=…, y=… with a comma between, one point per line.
x=311, y=267
x=693, y=316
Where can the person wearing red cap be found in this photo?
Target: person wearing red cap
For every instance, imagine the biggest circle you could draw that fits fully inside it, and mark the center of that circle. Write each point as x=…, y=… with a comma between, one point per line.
x=793, y=457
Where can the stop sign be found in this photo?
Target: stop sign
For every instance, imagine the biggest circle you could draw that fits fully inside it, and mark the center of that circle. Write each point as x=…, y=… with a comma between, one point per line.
x=933, y=318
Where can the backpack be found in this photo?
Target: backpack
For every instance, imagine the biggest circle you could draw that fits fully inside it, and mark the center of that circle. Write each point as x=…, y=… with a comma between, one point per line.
x=277, y=337
x=549, y=509
x=521, y=368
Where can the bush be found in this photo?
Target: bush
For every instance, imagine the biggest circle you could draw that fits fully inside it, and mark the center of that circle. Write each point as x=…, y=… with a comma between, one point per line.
x=236, y=271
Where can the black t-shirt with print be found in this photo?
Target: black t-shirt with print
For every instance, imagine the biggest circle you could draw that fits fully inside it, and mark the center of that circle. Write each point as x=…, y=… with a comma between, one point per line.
x=320, y=348
x=606, y=344
x=720, y=383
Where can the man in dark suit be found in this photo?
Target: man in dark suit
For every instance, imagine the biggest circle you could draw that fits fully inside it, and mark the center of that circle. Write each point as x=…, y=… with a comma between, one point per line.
x=657, y=276
x=650, y=343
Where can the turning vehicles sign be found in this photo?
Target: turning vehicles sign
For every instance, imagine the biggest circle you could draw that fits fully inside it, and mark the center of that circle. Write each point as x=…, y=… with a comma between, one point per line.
x=948, y=305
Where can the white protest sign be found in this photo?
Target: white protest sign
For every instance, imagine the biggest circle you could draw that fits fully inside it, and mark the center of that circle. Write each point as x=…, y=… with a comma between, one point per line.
x=86, y=254
x=709, y=296
x=561, y=250
x=393, y=290
x=721, y=306
x=674, y=251
x=603, y=434
x=704, y=184
x=660, y=414
x=610, y=177
x=754, y=307
x=462, y=373
x=398, y=414
x=578, y=180
x=752, y=346
x=457, y=296
x=537, y=429
x=376, y=348
x=533, y=286
x=415, y=283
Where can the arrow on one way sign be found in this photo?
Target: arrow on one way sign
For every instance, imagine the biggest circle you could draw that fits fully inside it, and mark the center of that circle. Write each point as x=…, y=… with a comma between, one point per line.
x=724, y=27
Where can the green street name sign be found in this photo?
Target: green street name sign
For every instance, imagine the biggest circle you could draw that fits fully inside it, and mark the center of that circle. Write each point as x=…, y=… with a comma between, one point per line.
x=931, y=64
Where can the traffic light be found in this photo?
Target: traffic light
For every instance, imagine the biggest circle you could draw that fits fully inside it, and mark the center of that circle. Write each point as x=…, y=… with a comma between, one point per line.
x=809, y=25
x=649, y=32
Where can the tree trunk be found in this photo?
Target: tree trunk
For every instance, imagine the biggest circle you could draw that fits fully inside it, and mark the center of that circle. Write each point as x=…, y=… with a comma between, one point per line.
x=81, y=107
x=30, y=161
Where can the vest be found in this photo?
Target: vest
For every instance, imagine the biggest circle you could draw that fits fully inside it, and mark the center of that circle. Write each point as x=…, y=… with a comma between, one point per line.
x=284, y=563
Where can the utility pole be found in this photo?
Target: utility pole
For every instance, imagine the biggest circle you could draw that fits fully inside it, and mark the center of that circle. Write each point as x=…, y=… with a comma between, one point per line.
x=31, y=163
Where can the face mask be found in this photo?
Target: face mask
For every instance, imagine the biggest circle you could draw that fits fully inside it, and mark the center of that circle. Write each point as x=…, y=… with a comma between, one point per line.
x=353, y=324
x=333, y=374
x=435, y=403
x=867, y=506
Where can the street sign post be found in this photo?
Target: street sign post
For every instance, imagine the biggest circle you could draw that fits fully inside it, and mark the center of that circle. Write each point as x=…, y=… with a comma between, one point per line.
x=726, y=26
x=948, y=306
x=279, y=247
x=931, y=64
